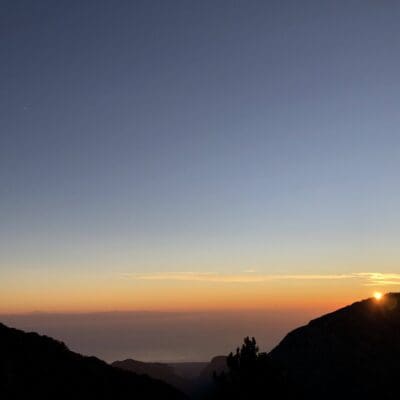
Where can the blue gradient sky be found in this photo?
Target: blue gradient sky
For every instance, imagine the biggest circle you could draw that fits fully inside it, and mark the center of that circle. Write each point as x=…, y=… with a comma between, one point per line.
x=212, y=136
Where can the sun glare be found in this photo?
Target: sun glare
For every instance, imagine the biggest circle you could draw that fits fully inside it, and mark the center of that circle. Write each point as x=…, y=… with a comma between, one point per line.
x=378, y=295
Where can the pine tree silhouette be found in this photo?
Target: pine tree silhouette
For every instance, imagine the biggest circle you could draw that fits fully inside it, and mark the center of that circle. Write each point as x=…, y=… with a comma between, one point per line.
x=251, y=374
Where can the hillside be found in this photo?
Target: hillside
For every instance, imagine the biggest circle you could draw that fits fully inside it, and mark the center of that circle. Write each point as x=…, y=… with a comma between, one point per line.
x=34, y=366
x=352, y=353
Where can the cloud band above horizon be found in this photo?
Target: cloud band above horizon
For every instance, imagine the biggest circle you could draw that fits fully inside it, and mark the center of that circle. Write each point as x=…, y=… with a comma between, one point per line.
x=367, y=278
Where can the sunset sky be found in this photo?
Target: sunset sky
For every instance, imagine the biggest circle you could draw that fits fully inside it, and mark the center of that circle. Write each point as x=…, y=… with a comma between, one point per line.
x=198, y=155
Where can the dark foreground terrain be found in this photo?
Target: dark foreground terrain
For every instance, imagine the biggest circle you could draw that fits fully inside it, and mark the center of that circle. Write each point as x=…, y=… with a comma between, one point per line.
x=352, y=353
x=38, y=367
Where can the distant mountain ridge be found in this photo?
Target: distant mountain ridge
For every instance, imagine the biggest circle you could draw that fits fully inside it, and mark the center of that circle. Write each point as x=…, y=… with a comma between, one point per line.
x=352, y=353
x=34, y=366
x=216, y=365
x=161, y=371
x=187, y=369
x=190, y=378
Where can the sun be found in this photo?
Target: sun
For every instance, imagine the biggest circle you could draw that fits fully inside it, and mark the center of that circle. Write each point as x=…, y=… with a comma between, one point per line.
x=378, y=295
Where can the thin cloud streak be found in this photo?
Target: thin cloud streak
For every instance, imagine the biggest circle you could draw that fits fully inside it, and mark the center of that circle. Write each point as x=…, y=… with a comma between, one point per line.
x=365, y=278
x=380, y=279
x=224, y=278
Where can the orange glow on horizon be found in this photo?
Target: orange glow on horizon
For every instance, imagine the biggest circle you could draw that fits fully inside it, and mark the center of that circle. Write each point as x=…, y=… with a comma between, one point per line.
x=181, y=296
x=378, y=296
x=80, y=293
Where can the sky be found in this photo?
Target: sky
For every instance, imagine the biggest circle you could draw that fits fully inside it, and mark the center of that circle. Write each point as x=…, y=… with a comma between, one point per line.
x=194, y=156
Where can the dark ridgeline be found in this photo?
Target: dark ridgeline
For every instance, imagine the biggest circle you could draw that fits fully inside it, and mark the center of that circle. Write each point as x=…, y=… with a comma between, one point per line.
x=352, y=353
x=38, y=367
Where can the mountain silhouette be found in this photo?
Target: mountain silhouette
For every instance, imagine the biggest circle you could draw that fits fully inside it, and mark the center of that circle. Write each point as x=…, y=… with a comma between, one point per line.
x=352, y=353
x=161, y=371
x=217, y=365
x=194, y=379
x=34, y=366
x=189, y=370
